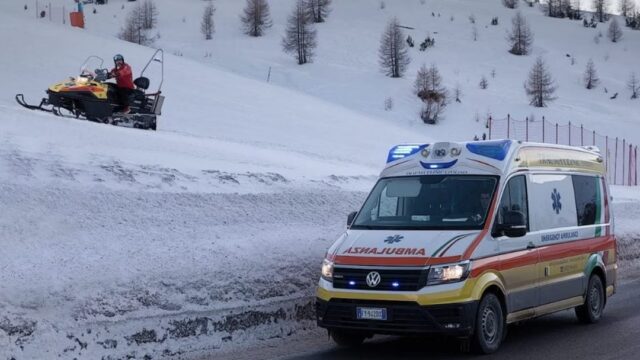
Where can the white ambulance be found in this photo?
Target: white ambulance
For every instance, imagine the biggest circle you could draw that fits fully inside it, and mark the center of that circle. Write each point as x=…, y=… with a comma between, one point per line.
x=466, y=238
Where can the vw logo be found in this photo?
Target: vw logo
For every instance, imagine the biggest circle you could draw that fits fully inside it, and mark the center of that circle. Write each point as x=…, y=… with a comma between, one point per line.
x=373, y=279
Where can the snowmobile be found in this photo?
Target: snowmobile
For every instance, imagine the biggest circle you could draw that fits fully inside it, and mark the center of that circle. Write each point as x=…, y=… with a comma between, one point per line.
x=90, y=96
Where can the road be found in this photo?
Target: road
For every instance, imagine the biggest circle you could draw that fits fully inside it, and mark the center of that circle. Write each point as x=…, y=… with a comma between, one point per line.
x=556, y=336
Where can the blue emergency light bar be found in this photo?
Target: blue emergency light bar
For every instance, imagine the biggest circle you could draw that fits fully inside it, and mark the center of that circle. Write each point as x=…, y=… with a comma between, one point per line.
x=497, y=149
x=402, y=151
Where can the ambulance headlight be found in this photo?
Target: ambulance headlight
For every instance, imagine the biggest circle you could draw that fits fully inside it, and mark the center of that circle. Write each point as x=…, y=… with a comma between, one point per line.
x=443, y=274
x=327, y=270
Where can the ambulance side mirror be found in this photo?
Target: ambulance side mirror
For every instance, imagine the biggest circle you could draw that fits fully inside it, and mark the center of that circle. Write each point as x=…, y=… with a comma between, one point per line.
x=351, y=217
x=514, y=225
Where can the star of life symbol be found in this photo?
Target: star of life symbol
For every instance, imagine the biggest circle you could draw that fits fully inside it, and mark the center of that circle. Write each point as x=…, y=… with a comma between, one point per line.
x=373, y=279
x=555, y=196
x=393, y=239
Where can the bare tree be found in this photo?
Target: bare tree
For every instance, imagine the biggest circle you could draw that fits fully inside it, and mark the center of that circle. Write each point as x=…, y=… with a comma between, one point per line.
x=428, y=87
x=540, y=85
x=626, y=7
x=634, y=85
x=520, y=38
x=590, y=77
x=474, y=32
x=133, y=31
x=300, y=36
x=319, y=9
x=393, y=54
x=150, y=14
x=256, y=17
x=615, y=31
x=511, y=4
x=207, y=26
x=457, y=92
x=600, y=7
x=484, y=83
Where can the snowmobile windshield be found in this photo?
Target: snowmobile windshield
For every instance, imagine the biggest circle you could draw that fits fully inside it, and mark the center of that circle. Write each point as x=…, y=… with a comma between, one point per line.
x=90, y=65
x=428, y=202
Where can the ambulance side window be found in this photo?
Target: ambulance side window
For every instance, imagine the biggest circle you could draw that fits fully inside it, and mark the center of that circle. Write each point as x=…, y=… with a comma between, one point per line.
x=514, y=198
x=587, y=199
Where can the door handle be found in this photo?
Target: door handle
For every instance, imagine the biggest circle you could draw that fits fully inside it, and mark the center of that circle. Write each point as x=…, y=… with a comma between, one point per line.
x=531, y=245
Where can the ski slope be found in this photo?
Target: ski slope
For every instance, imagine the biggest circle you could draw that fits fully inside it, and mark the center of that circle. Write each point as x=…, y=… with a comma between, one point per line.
x=208, y=234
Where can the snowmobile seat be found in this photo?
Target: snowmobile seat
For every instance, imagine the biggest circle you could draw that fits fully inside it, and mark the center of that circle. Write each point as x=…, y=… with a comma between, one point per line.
x=141, y=83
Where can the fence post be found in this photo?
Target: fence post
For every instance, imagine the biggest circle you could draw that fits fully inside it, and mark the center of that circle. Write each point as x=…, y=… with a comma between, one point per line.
x=556, y=133
x=623, y=159
x=569, y=133
x=49, y=11
x=508, y=125
x=490, y=125
x=526, y=131
x=581, y=135
x=615, y=164
x=606, y=152
x=629, y=172
x=636, y=163
x=543, y=129
x=594, y=138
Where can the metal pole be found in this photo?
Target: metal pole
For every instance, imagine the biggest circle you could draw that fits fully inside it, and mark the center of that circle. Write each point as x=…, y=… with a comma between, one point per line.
x=615, y=164
x=581, y=135
x=543, y=128
x=569, y=133
x=606, y=146
x=556, y=133
x=269, y=74
x=630, y=163
x=49, y=11
x=526, y=132
x=490, y=125
x=594, y=138
x=64, y=10
x=636, y=163
x=508, y=126
x=623, y=159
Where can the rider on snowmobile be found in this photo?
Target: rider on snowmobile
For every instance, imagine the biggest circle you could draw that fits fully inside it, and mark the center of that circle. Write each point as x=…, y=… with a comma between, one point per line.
x=124, y=80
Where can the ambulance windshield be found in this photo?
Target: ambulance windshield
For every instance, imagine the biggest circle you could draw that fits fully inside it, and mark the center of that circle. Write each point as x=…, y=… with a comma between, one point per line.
x=428, y=202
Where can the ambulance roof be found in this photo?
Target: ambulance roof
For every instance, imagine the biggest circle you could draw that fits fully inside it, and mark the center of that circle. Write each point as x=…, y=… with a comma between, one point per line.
x=494, y=157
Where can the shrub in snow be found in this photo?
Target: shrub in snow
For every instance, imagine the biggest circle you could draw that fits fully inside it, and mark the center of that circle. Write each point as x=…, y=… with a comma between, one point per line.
x=457, y=92
x=388, y=104
x=615, y=31
x=300, y=36
x=393, y=53
x=256, y=17
x=472, y=19
x=511, y=4
x=428, y=87
x=494, y=21
x=520, y=38
x=410, y=41
x=483, y=83
x=207, y=27
x=540, y=86
x=427, y=43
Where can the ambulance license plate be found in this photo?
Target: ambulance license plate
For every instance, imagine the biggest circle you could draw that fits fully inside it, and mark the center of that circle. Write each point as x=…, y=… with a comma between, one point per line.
x=364, y=313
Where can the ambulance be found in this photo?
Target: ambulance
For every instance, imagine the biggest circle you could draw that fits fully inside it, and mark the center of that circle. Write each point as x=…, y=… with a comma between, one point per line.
x=464, y=239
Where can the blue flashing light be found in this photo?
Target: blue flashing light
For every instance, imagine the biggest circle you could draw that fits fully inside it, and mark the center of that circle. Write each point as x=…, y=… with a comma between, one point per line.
x=352, y=283
x=433, y=166
x=402, y=151
x=497, y=149
x=395, y=284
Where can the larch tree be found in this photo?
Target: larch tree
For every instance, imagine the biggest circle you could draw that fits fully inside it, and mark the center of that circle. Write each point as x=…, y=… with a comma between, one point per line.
x=393, y=54
x=590, y=77
x=256, y=17
x=600, y=7
x=319, y=9
x=207, y=26
x=428, y=87
x=300, y=36
x=520, y=38
x=634, y=85
x=540, y=86
x=615, y=31
x=626, y=7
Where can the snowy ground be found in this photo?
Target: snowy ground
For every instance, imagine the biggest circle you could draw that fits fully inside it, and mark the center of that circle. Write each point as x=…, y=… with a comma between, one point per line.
x=208, y=234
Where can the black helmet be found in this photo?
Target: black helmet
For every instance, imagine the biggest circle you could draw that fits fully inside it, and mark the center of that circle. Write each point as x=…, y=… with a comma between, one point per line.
x=117, y=58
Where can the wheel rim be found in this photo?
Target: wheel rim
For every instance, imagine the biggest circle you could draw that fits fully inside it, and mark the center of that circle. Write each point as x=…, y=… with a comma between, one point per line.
x=595, y=300
x=489, y=325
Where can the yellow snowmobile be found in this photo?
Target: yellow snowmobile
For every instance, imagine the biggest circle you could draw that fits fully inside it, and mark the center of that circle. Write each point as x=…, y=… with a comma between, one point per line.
x=90, y=96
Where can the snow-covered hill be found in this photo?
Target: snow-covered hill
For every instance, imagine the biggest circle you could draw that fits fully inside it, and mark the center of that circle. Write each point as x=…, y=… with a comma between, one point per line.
x=119, y=242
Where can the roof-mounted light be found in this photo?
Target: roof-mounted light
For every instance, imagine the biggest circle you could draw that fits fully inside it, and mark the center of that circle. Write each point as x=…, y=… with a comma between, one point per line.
x=402, y=151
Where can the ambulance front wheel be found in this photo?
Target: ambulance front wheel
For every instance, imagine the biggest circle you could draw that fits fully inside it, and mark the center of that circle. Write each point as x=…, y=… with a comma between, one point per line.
x=490, y=325
x=347, y=338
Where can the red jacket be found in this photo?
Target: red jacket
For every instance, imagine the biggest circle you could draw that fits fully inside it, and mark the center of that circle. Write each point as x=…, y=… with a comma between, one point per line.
x=124, y=76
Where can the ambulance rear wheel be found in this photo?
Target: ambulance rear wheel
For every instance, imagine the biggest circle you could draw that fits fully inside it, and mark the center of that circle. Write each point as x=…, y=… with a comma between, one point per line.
x=490, y=325
x=347, y=338
x=591, y=311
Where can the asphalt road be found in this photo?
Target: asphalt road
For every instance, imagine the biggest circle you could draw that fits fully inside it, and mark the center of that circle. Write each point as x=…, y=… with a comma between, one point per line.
x=556, y=336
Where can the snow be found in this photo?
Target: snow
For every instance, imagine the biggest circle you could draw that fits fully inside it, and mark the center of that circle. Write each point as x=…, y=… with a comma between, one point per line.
x=208, y=234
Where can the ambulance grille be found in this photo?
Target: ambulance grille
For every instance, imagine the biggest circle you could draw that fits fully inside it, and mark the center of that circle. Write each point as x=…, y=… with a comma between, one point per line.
x=390, y=279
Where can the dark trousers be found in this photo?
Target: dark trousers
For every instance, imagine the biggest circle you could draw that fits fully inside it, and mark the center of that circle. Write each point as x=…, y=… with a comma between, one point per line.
x=123, y=96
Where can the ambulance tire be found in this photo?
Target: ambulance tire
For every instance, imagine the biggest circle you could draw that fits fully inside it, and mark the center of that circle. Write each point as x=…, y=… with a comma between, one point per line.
x=591, y=311
x=490, y=325
x=347, y=338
